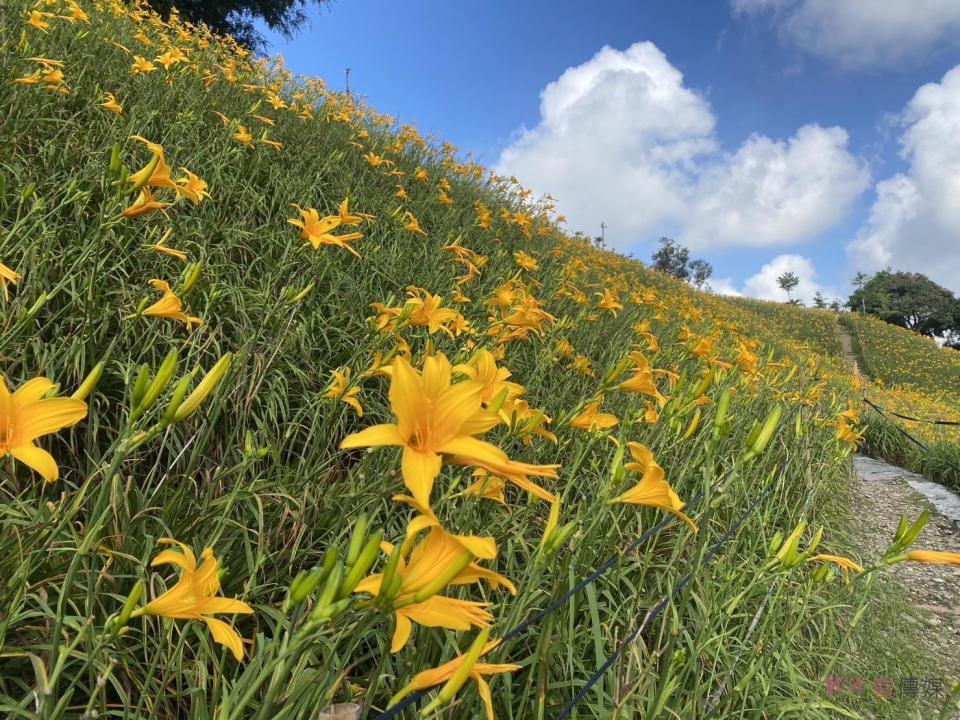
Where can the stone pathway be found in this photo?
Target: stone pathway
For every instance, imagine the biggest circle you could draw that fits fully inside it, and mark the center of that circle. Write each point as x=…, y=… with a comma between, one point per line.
x=882, y=494
x=846, y=347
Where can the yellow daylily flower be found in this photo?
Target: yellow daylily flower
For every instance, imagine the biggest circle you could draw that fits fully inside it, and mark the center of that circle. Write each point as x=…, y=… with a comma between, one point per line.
x=642, y=383
x=845, y=564
x=242, y=135
x=191, y=187
x=156, y=173
x=318, y=230
x=144, y=204
x=482, y=368
x=339, y=389
x=141, y=65
x=161, y=247
x=429, y=562
x=38, y=19
x=654, y=491
x=170, y=306
x=488, y=487
x=110, y=103
x=643, y=456
x=592, y=419
x=441, y=674
x=194, y=597
x=525, y=261
x=936, y=557
x=26, y=415
x=7, y=275
x=413, y=225
x=434, y=417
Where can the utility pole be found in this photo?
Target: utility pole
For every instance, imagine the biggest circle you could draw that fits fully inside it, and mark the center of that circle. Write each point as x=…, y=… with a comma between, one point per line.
x=603, y=232
x=346, y=78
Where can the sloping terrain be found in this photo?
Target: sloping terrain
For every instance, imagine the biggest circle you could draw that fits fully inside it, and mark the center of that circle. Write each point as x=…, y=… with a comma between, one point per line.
x=329, y=406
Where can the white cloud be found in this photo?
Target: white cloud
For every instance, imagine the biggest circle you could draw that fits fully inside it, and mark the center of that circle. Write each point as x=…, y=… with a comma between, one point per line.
x=861, y=33
x=914, y=223
x=724, y=286
x=764, y=286
x=623, y=140
x=774, y=192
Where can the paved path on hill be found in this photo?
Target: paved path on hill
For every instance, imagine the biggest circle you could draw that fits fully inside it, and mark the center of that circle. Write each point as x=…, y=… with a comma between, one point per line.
x=881, y=495
x=846, y=346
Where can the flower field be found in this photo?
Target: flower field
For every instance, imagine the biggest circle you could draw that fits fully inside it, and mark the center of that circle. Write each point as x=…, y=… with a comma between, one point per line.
x=895, y=357
x=299, y=407
x=912, y=376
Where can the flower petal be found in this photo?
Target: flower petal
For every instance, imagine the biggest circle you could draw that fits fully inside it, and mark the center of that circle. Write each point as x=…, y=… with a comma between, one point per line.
x=401, y=634
x=224, y=634
x=373, y=436
x=38, y=459
x=419, y=472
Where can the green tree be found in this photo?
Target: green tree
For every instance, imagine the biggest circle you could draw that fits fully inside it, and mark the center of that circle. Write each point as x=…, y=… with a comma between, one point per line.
x=910, y=300
x=672, y=258
x=237, y=17
x=787, y=282
x=700, y=272
x=819, y=300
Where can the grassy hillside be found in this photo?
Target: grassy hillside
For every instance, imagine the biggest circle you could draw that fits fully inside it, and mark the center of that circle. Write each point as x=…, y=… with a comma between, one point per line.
x=909, y=376
x=894, y=356
x=790, y=325
x=223, y=377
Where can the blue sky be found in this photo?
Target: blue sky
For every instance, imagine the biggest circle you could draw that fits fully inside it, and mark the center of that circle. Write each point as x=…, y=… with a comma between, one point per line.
x=473, y=73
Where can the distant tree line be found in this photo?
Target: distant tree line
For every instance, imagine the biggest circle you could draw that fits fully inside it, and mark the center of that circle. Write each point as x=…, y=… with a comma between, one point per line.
x=674, y=259
x=910, y=300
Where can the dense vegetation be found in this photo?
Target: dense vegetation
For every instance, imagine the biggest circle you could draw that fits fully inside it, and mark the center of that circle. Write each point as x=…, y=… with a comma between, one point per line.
x=911, y=375
x=910, y=300
x=239, y=286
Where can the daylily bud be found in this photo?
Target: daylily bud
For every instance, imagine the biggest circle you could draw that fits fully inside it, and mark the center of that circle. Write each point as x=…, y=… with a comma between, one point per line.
x=559, y=537
x=328, y=594
x=914, y=530
x=115, y=164
x=775, y=542
x=704, y=383
x=157, y=386
x=693, y=425
x=143, y=176
x=132, y=599
x=901, y=529
x=720, y=424
x=824, y=573
x=35, y=308
x=498, y=401
x=89, y=383
x=617, y=370
x=356, y=539
x=449, y=573
x=390, y=574
x=303, y=293
x=766, y=433
x=190, y=275
x=202, y=390
x=552, y=520
x=140, y=386
x=616, y=468
x=364, y=560
x=304, y=584
x=175, y=401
